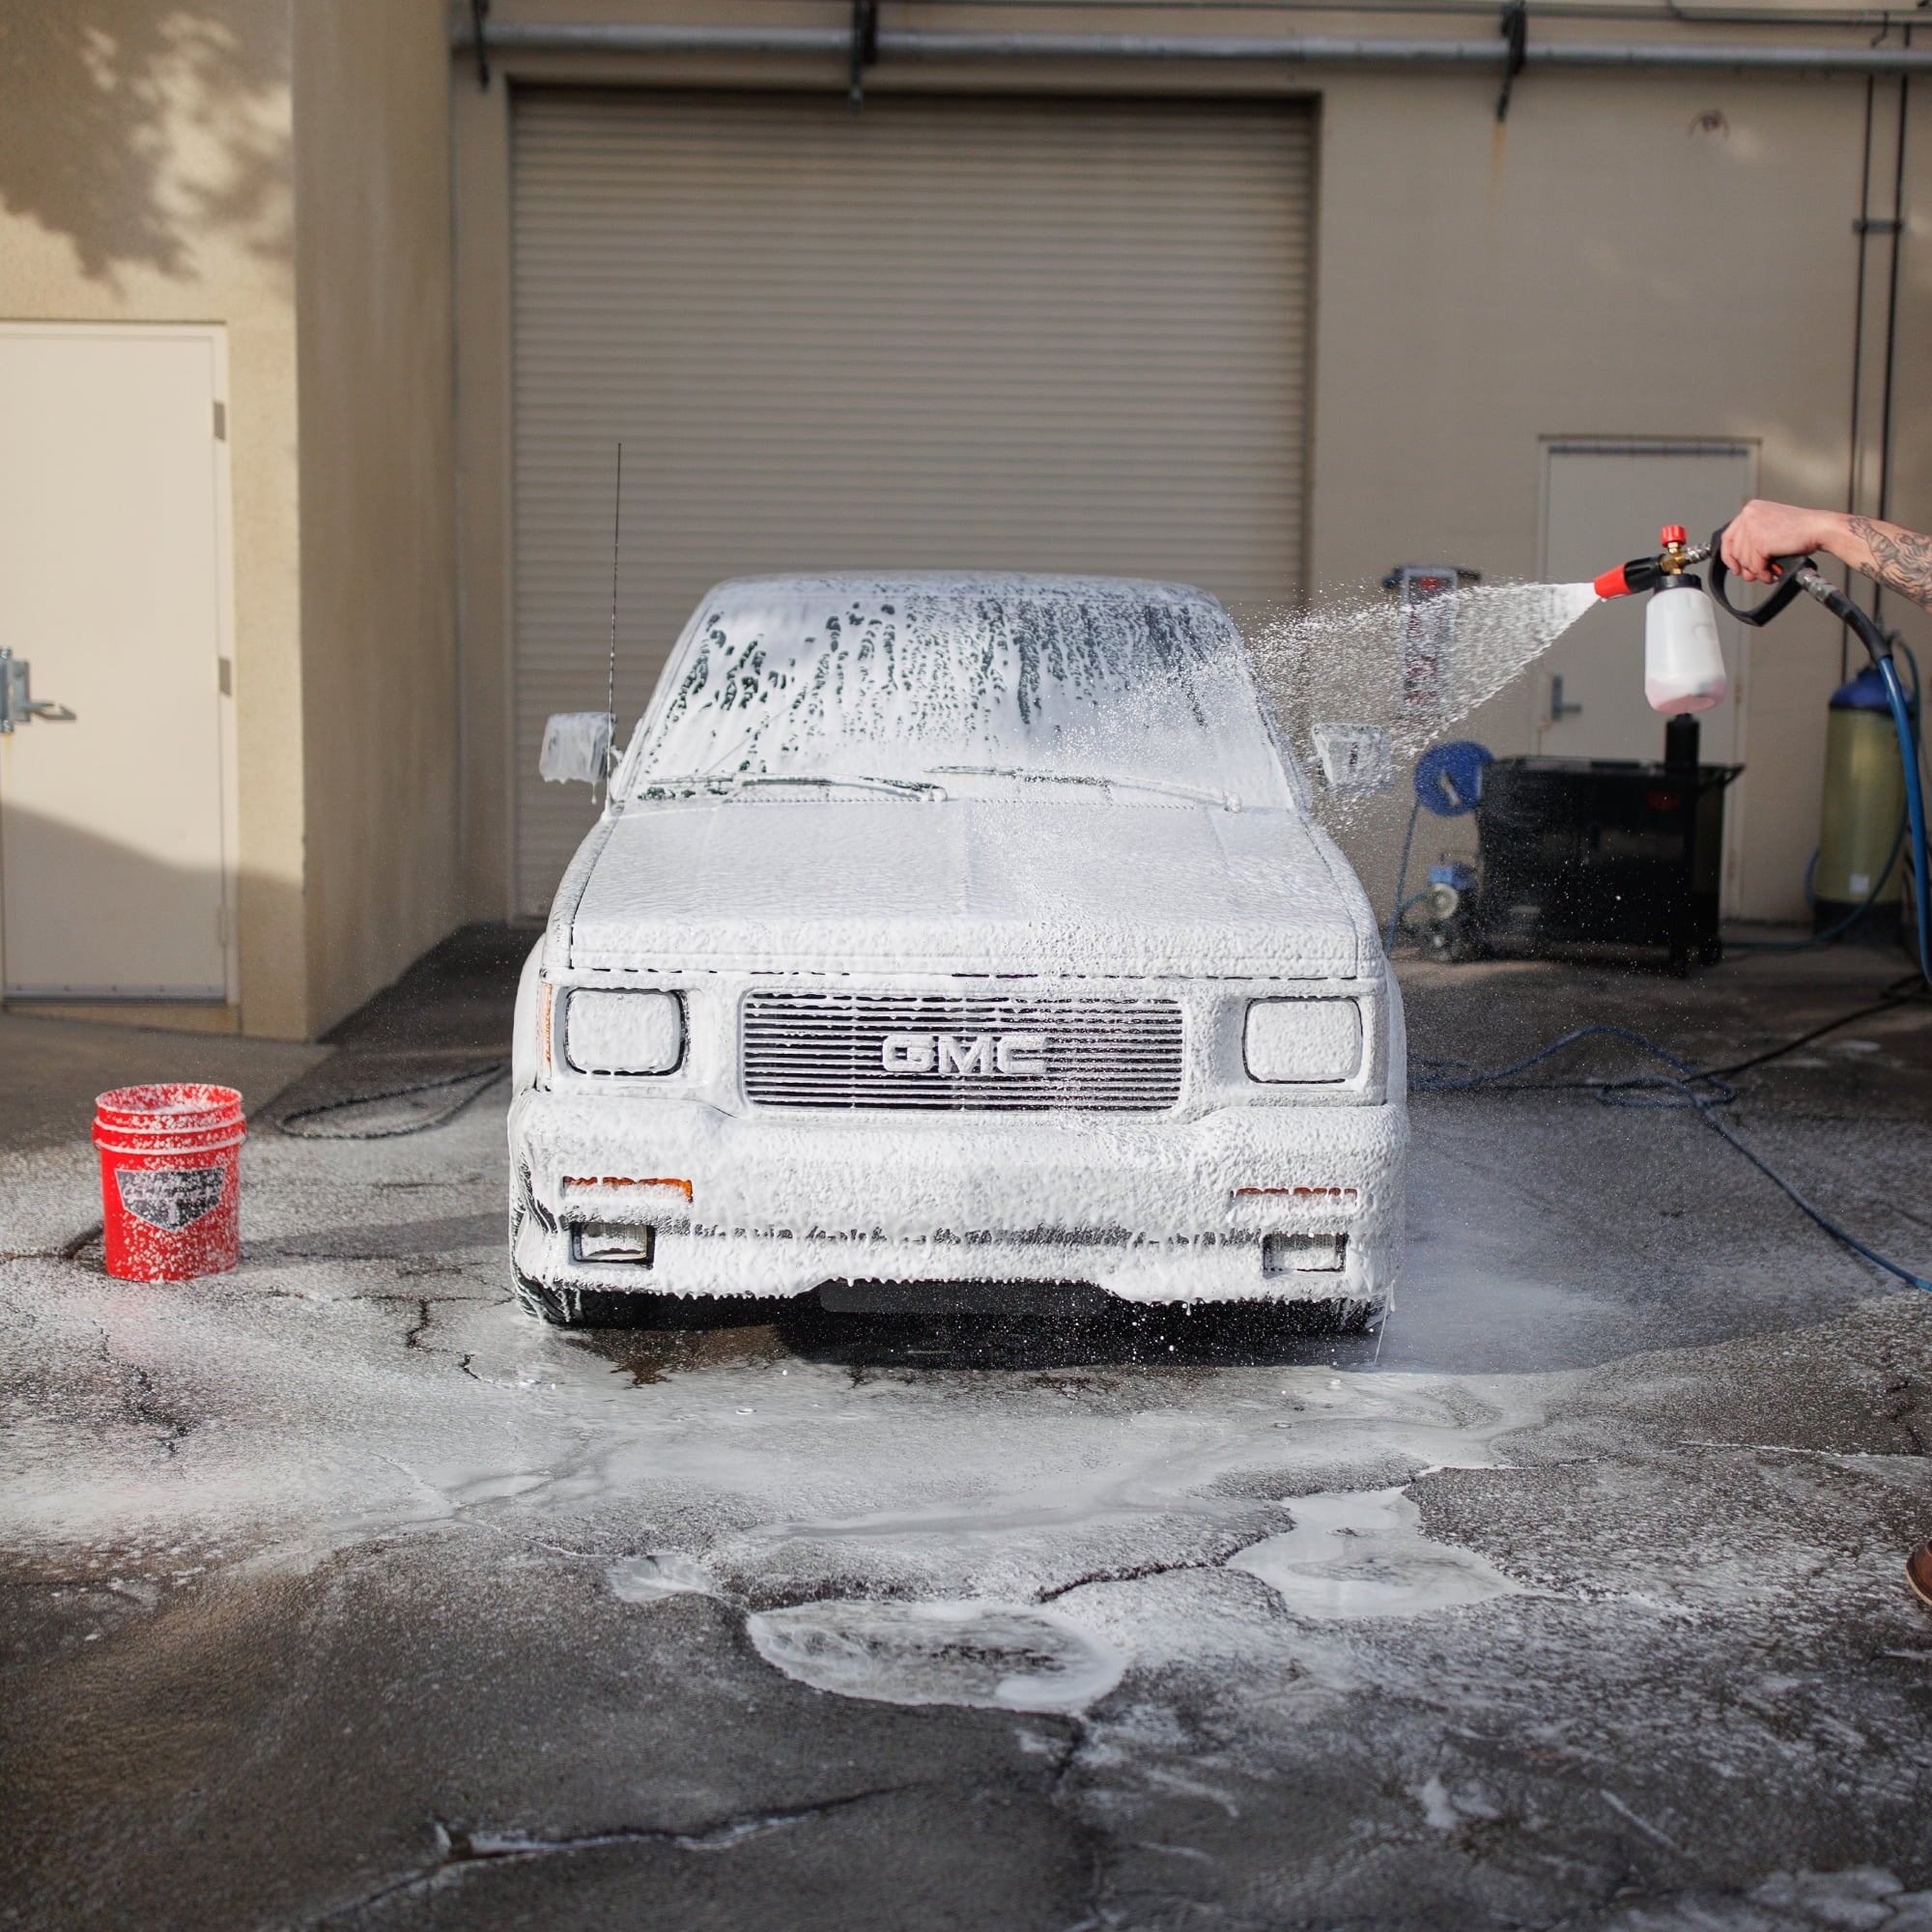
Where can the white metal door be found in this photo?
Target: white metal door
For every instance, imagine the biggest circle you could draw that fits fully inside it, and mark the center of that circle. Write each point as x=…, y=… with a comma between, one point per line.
x=114, y=850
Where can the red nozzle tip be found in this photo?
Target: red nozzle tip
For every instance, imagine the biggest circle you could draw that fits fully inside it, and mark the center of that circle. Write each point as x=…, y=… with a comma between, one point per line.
x=1672, y=533
x=1611, y=583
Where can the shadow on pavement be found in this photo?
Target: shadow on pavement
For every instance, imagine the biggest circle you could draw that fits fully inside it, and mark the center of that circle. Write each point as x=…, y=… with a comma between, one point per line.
x=701, y=1336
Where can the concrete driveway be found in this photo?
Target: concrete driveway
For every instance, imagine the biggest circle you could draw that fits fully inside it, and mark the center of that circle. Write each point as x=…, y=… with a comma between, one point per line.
x=338, y=1593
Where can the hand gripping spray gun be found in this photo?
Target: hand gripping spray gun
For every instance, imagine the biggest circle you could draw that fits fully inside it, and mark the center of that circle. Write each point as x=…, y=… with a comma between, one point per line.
x=1684, y=663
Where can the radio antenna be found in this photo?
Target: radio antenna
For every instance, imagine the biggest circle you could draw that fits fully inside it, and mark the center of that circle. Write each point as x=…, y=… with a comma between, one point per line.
x=611, y=687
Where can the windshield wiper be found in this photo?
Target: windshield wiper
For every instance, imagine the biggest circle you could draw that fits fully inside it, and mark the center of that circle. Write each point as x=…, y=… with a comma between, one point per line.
x=1226, y=799
x=728, y=782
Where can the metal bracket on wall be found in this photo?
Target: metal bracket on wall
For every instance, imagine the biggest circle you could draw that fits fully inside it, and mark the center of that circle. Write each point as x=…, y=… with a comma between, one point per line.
x=479, y=10
x=17, y=704
x=864, y=45
x=1514, y=29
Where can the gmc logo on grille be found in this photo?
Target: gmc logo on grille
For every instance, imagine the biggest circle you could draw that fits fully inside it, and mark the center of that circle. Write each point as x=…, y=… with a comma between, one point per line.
x=950, y=1053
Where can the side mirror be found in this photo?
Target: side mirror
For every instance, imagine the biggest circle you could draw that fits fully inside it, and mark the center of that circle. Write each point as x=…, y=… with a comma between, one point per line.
x=1353, y=757
x=575, y=746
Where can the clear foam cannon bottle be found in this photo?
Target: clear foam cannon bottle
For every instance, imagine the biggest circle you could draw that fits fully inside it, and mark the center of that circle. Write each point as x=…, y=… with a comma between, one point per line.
x=1682, y=659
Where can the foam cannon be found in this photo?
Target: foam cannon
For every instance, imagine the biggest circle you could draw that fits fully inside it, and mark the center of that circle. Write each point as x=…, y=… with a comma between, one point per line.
x=1684, y=663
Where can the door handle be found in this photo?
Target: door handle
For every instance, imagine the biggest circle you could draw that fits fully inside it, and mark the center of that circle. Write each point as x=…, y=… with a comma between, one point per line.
x=1558, y=710
x=17, y=704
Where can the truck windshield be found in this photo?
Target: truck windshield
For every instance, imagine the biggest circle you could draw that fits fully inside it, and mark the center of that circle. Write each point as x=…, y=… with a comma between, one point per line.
x=1009, y=680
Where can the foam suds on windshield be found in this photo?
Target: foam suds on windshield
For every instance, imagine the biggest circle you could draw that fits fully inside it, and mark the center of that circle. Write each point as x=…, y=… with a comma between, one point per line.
x=896, y=677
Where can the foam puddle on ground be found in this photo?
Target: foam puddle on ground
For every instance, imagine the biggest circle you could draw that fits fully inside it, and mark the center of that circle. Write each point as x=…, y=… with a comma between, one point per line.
x=1362, y=1554
x=996, y=1655
x=1350, y=1554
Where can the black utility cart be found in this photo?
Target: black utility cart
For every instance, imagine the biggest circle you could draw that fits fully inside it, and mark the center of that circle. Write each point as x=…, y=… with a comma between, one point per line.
x=1604, y=852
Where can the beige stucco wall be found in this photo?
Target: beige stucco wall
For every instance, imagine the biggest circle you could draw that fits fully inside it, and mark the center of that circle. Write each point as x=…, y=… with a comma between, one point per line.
x=1606, y=266
x=283, y=171
x=1601, y=267
x=376, y=479
x=144, y=177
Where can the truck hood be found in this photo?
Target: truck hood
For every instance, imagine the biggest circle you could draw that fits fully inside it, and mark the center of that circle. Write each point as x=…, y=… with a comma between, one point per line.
x=964, y=886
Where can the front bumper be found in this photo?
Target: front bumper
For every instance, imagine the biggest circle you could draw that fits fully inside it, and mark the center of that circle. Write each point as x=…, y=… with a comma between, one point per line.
x=1151, y=1211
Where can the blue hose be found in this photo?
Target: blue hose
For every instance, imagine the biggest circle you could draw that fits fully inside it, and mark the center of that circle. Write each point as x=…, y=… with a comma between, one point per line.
x=1401, y=876
x=1703, y=1090
x=1915, y=807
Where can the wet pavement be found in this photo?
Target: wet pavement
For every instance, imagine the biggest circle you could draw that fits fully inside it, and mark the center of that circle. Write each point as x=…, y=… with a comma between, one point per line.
x=338, y=1593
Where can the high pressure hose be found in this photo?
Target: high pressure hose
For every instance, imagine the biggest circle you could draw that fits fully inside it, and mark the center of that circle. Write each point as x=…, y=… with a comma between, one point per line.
x=1914, y=805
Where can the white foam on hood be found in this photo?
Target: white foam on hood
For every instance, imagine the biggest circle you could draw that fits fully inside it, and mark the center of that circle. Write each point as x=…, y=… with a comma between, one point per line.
x=1044, y=883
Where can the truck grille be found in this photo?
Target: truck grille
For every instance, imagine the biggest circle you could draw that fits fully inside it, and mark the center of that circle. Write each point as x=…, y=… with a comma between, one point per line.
x=934, y=1052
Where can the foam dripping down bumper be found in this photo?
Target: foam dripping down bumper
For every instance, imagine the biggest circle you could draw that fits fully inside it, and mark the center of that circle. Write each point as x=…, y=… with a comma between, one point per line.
x=1245, y=1204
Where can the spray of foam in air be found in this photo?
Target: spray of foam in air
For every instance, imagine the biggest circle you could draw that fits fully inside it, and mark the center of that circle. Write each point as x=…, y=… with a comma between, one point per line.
x=1352, y=662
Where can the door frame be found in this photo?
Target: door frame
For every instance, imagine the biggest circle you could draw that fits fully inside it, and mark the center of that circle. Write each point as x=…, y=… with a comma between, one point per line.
x=214, y=335
x=1751, y=449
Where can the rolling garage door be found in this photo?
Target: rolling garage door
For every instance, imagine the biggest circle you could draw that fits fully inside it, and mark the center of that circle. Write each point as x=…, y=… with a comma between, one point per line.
x=1002, y=333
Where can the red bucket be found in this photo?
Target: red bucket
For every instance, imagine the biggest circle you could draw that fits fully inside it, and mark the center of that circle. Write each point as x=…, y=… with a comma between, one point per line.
x=170, y=1180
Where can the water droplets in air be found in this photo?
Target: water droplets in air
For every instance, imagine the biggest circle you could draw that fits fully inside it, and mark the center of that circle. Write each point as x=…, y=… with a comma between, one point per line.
x=1347, y=661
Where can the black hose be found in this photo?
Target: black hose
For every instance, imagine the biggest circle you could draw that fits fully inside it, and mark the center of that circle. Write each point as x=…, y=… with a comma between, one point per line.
x=484, y=1077
x=1701, y=1089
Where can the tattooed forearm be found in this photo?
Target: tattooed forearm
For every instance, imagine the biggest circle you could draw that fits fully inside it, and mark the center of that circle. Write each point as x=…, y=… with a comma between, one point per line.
x=1899, y=559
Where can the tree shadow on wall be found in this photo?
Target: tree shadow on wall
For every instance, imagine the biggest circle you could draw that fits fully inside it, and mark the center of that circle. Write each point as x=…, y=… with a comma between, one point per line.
x=136, y=129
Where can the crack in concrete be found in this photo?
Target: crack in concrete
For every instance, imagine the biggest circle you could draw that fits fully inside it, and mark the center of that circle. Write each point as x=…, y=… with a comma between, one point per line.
x=70, y=1248
x=459, y=1848
x=67, y=1251
x=143, y=1404
x=1904, y=1410
x=1095, y=1910
x=433, y=1263
x=1134, y=1573
x=1752, y=1448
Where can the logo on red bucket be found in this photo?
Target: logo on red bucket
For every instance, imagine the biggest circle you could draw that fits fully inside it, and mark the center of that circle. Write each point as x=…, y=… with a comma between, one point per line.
x=170, y=1197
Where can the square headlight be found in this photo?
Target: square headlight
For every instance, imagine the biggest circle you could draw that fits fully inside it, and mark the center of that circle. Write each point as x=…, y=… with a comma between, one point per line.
x=1304, y=1040
x=623, y=1033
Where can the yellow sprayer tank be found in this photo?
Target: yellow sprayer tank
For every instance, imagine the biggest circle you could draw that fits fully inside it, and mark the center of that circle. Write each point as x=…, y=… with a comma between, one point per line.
x=1861, y=856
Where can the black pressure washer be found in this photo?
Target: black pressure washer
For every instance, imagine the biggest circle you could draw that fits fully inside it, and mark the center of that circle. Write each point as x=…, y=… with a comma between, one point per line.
x=1577, y=853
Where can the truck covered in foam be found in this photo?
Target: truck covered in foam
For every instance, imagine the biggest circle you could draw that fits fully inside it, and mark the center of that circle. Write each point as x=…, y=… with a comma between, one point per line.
x=944, y=936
